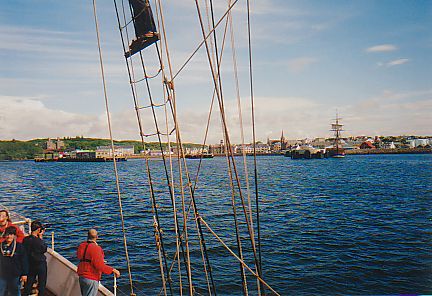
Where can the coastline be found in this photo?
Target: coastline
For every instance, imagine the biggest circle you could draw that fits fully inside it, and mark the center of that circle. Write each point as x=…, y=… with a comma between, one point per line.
x=389, y=151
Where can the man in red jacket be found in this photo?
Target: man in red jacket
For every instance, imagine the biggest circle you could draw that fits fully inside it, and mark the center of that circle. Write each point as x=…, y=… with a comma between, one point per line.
x=92, y=265
x=5, y=222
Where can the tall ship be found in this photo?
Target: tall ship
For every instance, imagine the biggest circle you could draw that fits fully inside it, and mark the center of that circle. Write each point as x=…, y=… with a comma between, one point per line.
x=336, y=150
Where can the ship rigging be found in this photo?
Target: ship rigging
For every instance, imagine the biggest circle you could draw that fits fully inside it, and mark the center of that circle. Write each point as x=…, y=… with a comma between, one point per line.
x=143, y=33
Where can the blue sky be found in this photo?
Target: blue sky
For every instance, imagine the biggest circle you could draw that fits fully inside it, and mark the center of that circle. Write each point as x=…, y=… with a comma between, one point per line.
x=370, y=60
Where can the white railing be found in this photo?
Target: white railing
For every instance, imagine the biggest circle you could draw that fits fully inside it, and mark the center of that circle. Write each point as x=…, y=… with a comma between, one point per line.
x=62, y=276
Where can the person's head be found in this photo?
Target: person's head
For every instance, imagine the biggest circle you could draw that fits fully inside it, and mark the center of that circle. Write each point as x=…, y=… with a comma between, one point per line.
x=9, y=234
x=92, y=235
x=37, y=227
x=4, y=217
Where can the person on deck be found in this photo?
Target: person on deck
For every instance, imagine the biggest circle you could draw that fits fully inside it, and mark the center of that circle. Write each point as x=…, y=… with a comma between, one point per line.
x=92, y=265
x=5, y=222
x=36, y=249
x=13, y=264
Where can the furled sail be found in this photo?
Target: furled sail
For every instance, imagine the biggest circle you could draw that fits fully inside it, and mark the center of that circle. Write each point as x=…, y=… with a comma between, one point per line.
x=145, y=28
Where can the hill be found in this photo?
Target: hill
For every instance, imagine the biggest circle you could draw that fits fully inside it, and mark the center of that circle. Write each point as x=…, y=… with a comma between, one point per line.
x=21, y=150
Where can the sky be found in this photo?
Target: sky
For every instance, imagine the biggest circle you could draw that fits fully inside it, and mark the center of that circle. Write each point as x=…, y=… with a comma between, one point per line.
x=370, y=61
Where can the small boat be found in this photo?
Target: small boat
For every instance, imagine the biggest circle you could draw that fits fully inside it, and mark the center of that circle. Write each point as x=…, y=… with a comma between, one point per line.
x=91, y=159
x=62, y=279
x=199, y=156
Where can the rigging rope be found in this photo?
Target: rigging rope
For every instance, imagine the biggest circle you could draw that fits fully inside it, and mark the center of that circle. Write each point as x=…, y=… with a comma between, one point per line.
x=191, y=192
x=204, y=40
x=131, y=78
x=167, y=97
x=170, y=97
x=112, y=149
x=254, y=136
x=221, y=100
x=240, y=260
x=226, y=133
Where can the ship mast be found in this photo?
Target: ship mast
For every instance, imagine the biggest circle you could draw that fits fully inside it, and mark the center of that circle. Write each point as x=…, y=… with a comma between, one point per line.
x=337, y=128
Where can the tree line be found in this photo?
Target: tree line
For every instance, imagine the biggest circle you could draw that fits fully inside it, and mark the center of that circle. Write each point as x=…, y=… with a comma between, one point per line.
x=22, y=150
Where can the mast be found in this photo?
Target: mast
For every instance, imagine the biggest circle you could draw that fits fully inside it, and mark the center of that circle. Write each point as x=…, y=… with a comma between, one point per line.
x=336, y=127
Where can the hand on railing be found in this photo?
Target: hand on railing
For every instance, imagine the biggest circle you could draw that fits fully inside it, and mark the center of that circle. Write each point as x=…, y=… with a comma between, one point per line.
x=116, y=273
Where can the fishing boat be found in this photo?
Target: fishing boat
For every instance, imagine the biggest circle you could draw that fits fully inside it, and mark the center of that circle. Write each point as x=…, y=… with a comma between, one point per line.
x=199, y=155
x=336, y=150
x=62, y=278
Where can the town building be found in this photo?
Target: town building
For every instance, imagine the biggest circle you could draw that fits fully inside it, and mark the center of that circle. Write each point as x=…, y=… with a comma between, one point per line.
x=414, y=143
x=260, y=148
x=54, y=145
x=120, y=151
x=367, y=145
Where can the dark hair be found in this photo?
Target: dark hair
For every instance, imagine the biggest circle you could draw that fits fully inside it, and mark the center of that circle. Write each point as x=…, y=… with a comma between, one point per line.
x=36, y=224
x=10, y=230
x=7, y=214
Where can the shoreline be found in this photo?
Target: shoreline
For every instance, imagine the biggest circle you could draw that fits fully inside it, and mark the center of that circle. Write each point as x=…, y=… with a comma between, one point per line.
x=389, y=151
x=347, y=152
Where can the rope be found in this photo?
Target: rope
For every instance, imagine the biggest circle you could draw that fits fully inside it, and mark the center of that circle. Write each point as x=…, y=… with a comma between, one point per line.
x=191, y=192
x=112, y=149
x=167, y=177
x=225, y=128
x=167, y=97
x=243, y=141
x=240, y=260
x=131, y=78
x=204, y=40
x=254, y=136
x=239, y=243
x=147, y=77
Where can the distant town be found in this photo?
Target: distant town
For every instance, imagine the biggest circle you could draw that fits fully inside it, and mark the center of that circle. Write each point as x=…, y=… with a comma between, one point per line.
x=80, y=147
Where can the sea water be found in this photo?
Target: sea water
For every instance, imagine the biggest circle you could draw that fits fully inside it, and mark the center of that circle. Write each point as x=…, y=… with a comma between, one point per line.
x=359, y=225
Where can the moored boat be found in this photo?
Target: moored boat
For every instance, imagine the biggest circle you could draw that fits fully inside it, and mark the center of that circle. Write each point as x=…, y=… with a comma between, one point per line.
x=336, y=150
x=198, y=156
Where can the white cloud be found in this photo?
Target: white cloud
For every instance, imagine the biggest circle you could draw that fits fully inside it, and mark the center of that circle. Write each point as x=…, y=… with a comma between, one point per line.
x=382, y=48
x=300, y=64
x=391, y=113
x=393, y=63
x=27, y=118
x=397, y=62
x=387, y=113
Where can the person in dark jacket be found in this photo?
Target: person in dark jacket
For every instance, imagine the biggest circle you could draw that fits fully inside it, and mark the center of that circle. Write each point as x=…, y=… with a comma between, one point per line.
x=92, y=265
x=13, y=264
x=36, y=249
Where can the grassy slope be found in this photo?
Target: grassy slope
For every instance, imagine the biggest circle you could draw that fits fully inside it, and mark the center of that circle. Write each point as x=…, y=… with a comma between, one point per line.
x=17, y=150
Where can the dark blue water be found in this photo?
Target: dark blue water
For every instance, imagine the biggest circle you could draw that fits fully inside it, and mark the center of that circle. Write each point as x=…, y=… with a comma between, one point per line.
x=359, y=225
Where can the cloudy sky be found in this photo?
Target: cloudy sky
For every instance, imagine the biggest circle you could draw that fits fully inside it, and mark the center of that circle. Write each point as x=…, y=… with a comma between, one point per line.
x=370, y=60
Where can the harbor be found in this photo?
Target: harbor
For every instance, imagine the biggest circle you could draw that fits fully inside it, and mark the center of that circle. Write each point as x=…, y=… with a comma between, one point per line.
x=328, y=236
x=215, y=148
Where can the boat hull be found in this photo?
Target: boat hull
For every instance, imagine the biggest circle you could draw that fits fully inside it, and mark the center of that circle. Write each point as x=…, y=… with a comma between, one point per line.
x=198, y=156
x=62, y=279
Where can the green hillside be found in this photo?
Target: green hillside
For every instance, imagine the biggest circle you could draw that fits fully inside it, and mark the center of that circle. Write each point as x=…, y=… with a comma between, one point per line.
x=19, y=150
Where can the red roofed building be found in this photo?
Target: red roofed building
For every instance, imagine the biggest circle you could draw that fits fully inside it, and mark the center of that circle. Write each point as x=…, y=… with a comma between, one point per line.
x=367, y=145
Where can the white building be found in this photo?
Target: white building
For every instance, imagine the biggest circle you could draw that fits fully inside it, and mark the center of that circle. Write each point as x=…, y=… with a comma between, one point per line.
x=120, y=151
x=249, y=149
x=420, y=143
